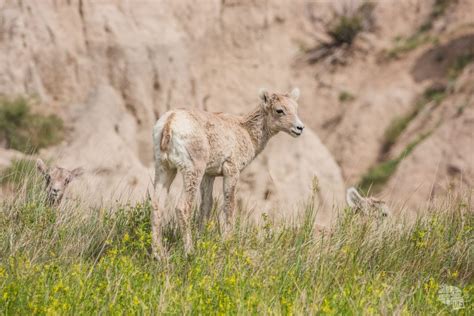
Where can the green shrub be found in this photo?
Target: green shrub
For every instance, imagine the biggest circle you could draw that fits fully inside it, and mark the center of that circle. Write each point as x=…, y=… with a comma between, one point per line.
x=346, y=96
x=342, y=30
x=25, y=131
x=351, y=22
x=346, y=30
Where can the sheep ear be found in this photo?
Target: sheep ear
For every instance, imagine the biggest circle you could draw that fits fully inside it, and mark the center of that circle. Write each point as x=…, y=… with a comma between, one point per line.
x=77, y=172
x=74, y=174
x=263, y=95
x=295, y=94
x=41, y=166
x=353, y=197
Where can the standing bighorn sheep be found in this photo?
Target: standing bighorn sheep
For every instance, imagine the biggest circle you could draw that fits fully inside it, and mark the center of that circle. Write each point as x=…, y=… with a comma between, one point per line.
x=366, y=205
x=57, y=179
x=202, y=145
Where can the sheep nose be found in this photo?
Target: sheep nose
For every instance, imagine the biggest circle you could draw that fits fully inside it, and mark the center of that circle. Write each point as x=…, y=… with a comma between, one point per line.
x=300, y=127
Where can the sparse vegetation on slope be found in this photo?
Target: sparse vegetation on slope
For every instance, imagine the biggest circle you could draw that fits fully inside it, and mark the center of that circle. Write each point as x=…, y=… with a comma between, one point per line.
x=343, y=29
x=377, y=176
x=25, y=131
x=459, y=64
x=346, y=30
x=405, y=45
x=421, y=36
x=438, y=9
x=350, y=22
x=89, y=261
x=399, y=124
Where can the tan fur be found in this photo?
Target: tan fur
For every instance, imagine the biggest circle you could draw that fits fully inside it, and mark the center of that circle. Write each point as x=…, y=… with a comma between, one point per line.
x=166, y=134
x=57, y=180
x=205, y=145
x=369, y=206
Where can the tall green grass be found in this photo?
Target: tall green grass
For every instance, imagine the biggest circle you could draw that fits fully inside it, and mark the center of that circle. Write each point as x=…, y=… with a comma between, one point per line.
x=82, y=260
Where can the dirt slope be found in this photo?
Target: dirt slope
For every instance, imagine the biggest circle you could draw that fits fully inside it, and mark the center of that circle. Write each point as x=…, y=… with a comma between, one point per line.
x=111, y=68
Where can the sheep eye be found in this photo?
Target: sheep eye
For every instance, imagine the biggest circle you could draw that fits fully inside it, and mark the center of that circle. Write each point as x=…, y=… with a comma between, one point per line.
x=280, y=111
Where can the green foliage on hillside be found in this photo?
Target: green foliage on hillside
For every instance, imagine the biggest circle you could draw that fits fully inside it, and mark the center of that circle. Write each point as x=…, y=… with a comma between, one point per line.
x=25, y=131
x=459, y=64
x=346, y=96
x=377, y=176
x=438, y=9
x=399, y=124
x=405, y=45
x=350, y=23
x=79, y=260
x=421, y=37
x=346, y=30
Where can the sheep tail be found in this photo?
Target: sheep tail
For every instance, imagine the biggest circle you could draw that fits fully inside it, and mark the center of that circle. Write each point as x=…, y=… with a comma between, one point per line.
x=166, y=134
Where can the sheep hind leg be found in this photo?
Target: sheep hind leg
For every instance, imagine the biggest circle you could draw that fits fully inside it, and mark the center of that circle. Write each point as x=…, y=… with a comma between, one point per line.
x=163, y=179
x=192, y=180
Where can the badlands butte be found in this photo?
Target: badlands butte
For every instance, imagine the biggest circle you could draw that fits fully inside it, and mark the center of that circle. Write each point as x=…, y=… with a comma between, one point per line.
x=387, y=90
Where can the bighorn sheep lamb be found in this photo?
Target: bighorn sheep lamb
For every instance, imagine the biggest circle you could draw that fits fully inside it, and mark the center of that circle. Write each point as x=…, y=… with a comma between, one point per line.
x=369, y=207
x=57, y=179
x=202, y=145
x=366, y=205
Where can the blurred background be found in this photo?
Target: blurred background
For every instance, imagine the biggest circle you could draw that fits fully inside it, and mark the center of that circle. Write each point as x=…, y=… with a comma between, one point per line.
x=387, y=91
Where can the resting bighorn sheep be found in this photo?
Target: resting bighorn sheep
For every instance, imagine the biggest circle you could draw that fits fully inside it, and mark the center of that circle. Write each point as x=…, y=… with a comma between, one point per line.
x=57, y=179
x=202, y=145
x=366, y=205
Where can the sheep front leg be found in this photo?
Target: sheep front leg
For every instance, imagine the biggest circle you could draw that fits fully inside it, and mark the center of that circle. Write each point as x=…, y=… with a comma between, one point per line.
x=206, y=200
x=230, y=187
